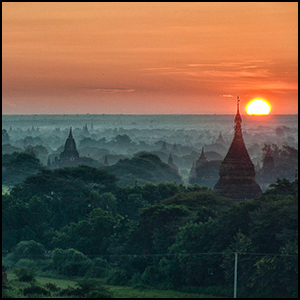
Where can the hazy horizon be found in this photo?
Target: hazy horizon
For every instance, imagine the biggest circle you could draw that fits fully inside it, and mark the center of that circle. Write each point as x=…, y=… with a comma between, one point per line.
x=158, y=114
x=148, y=57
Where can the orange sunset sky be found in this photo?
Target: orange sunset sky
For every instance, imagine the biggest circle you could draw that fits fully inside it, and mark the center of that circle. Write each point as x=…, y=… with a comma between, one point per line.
x=148, y=58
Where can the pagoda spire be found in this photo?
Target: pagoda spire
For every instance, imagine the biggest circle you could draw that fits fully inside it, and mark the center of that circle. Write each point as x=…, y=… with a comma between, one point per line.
x=238, y=118
x=202, y=156
x=171, y=163
x=70, y=151
x=70, y=134
x=202, y=159
x=106, y=161
x=237, y=174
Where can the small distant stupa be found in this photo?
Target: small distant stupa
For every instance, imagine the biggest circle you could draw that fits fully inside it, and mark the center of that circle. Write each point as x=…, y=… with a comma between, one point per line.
x=202, y=159
x=237, y=174
x=174, y=149
x=105, y=161
x=193, y=173
x=268, y=163
x=267, y=174
x=220, y=139
x=171, y=163
x=164, y=147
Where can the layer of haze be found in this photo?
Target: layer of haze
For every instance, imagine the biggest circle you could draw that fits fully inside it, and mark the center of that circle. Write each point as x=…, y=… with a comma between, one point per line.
x=148, y=58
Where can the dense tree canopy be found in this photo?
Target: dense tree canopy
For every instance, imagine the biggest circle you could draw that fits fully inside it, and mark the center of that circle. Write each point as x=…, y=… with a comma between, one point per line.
x=17, y=166
x=144, y=167
x=160, y=233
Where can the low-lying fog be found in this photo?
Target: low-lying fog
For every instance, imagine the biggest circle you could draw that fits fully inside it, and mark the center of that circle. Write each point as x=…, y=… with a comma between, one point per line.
x=121, y=136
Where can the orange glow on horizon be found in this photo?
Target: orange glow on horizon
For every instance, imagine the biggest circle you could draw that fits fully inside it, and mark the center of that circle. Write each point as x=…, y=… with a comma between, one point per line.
x=258, y=107
x=148, y=57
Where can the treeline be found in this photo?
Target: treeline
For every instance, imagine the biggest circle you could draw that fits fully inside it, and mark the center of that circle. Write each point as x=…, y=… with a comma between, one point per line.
x=165, y=235
x=143, y=167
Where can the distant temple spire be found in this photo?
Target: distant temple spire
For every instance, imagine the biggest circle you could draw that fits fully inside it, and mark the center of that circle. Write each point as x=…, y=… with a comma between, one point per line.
x=105, y=161
x=174, y=149
x=201, y=159
x=193, y=172
x=70, y=152
x=171, y=163
x=268, y=163
x=220, y=139
x=237, y=174
x=164, y=146
x=70, y=134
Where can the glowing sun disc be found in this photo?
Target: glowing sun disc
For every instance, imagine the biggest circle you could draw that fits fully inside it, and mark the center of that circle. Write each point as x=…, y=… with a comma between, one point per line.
x=258, y=107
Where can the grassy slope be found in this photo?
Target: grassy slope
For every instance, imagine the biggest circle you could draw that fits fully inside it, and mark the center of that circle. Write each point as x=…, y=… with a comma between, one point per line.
x=122, y=291
x=5, y=189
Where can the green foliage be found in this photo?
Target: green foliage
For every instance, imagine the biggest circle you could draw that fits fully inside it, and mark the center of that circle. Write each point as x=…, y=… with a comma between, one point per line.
x=35, y=290
x=25, y=275
x=274, y=223
x=52, y=287
x=39, y=265
x=28, y=250
x=152, y=277
x=17, y=166
x=196, y=200
x=283, y=187
x=116, y=276
x=157, y=228
x=70, y=262
x=178, y=237
x=88, y=237
x=87, y=288
x=145, y=166
x=92, y=289
x=66, y=201
x=99, y=268
x=191, y=264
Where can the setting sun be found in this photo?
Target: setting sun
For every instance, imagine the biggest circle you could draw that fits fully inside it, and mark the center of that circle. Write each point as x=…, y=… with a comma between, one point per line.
x=258, y=107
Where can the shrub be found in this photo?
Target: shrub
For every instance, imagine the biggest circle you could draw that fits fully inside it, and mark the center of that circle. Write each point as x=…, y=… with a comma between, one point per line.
x=52, y=287
x=87, y=288
x=71, y=262
x=28, y=250
x=25, y=263
x=99, y=268
x=116, y=277
x=69, y=291
x=10, y=291
x=136, y=279
x=36, y=290
x=25, y=275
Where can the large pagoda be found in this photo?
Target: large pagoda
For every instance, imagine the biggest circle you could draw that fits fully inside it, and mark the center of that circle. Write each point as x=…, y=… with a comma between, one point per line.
x=237, y=175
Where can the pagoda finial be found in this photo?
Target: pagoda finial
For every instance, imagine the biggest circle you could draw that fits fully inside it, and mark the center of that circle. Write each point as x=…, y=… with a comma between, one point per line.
x=70, y=134
x=202, y=156
x=238, y=118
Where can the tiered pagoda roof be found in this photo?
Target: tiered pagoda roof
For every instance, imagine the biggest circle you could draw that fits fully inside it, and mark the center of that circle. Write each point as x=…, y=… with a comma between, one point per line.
x=70, y=151
x=237, y=175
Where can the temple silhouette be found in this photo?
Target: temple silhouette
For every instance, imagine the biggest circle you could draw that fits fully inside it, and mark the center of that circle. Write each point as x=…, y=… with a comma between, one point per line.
x=202, y=159
x=69, y=157
x=70, y=152
x=237, y=174
x=171, y=163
